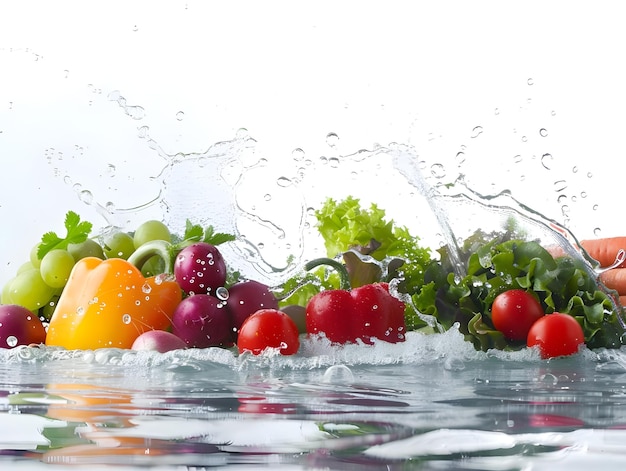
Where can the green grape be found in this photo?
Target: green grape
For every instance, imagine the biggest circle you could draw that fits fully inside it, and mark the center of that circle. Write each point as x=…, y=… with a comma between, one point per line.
x=29, y=290
x=118, y=245
x=25, y=266
x=5, y=297
x=151, y=230
x=56, y=267
x=46, y=311
x=34, y=259
x=88, y=248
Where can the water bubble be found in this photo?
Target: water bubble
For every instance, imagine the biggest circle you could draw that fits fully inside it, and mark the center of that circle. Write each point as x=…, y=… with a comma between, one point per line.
x=283, y=182
x=338, y=374
x=180, y=116
x=332, y=139
x=460, y=157
x=86, y=196
x=546, y=161
x=222, y=293
x=543, y=132
x=267, y=197
x=126, y=318
x=477, y=131
x=530, y=81
x=496, y=112
x=598, y=232
x=297, y=154
x=589, y=175
x=560, y=185
x=453, y=364
x=517, y=158
x=437, y=170
x=524, y=139
x=11, y=341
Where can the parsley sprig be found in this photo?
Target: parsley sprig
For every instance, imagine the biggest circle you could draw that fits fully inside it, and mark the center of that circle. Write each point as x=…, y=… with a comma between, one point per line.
x=77, y=232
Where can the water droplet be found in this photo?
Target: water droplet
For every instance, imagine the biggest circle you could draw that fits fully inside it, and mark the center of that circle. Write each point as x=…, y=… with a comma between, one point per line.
x=477, y=131
x=222, y=293
x=283, y=182
x=598, y=232
x=126, y=318
x=135, y=28
x=332, y=139
x=86, y=196
x=524, y=139
x=543, y=132
x=546, y=161
x=12, y=341
x=297, y=154
x=589, y=175
x=180, y=115
x=437, y=170
x=517, y=158
x=496, y=112
x=338, y=374
x=460, y=157
x=560, y=185
x=530, y=81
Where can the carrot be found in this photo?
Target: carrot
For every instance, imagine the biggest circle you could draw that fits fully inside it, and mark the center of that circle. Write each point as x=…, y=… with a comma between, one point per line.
x=615, y=279
x=605, y=250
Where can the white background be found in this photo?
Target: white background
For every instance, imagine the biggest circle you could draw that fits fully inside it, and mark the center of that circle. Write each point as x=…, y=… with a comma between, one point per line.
x=483, y=88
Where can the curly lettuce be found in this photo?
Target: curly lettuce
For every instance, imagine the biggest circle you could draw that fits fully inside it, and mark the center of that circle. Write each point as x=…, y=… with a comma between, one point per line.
x=562, y=284
x=373, y=249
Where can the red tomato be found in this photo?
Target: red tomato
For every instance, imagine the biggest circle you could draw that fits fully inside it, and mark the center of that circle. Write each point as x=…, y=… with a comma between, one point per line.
x=268, y=328
x=556, y=335
x=513, y=312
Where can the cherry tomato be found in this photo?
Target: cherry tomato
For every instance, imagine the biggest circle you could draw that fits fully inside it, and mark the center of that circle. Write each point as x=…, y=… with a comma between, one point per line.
x=268, y=328
x=513, y=312
x=556, y=335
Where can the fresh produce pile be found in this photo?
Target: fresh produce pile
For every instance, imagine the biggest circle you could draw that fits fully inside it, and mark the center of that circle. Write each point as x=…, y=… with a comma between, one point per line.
x=151, y=289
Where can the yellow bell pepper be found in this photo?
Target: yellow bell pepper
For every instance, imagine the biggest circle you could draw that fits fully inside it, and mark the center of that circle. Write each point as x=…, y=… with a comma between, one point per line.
x=108, y=304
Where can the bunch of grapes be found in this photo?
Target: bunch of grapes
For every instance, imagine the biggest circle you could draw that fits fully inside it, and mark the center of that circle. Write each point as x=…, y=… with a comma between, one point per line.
x=39, y=282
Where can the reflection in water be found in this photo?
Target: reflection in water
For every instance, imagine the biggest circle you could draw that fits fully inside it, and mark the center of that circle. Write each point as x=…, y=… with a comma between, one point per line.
x=209, y=408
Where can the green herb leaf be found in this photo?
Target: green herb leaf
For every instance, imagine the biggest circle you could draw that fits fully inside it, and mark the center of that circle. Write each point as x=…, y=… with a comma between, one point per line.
x=77, y=232
x=216, y=238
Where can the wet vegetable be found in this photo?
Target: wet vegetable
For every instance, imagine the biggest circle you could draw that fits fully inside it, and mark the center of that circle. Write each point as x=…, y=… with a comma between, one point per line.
x=268, y=328
x=348, y=315
x=109, y=303
x=514, y=312
x=556, y=335
x=200, y=268
x=562, y=284
x=247, y=297
x=202, y=321
x=19, y=326
x=158, y=340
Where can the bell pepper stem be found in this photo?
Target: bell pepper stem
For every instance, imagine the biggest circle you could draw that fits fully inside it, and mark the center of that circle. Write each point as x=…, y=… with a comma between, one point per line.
x=344, y=278
x=159, y=248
